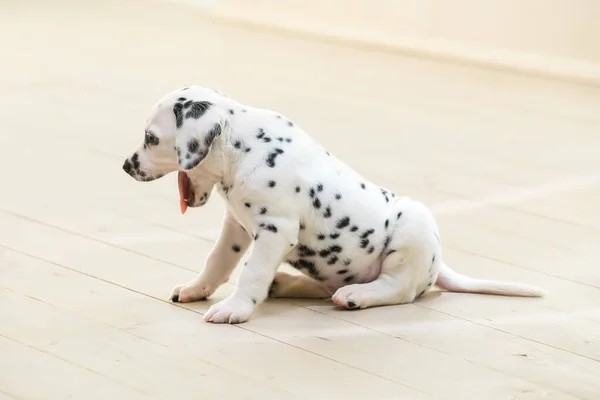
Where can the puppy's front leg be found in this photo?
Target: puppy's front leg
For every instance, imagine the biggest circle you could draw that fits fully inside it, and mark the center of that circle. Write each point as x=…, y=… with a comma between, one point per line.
x=273, y=240
x=232, y=243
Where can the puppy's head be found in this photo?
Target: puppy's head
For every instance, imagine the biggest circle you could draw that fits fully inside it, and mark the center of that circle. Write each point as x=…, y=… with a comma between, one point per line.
x=179, y=136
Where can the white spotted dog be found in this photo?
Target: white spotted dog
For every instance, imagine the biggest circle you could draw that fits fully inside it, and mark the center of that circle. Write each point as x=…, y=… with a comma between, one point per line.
x=354, y=241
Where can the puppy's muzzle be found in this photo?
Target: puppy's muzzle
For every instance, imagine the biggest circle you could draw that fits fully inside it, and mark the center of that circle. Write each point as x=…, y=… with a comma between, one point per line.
x=132, y=167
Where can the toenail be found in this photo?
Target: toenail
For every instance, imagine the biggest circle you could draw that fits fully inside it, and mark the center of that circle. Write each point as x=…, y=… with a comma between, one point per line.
x=175, y=298
x=351, y=304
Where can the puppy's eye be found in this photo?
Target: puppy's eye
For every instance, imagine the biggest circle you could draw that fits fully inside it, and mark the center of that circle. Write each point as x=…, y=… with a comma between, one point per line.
x=150, y=139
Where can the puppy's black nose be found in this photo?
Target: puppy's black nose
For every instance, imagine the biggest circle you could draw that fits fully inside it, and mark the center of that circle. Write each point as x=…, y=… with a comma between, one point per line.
x=127, y=166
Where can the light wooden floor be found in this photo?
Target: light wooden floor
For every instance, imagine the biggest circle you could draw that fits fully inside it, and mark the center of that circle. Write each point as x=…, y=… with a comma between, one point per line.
x=511, y=166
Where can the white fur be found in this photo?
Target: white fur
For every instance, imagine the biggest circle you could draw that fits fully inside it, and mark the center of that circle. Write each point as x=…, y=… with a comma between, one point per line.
x=387, y=252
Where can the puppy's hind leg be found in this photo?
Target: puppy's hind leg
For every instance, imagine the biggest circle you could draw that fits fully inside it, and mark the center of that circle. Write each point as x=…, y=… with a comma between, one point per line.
x=297, y=286
x=396, y=284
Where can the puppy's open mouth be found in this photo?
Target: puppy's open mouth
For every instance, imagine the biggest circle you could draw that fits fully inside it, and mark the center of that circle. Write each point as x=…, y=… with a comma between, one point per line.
x=186, y=193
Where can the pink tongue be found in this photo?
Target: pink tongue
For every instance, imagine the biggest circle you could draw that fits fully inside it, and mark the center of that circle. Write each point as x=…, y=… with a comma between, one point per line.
x=184, y=190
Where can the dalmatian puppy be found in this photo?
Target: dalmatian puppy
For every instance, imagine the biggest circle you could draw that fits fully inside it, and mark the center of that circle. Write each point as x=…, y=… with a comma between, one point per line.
x=289, y=200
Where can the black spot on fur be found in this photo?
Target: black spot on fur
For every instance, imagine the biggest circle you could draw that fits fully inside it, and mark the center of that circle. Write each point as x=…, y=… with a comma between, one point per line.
x=334, y=235
x=386, y=224
x=261, y=133
x=244, y=110
x=197, y=109
x=335, y=248
x=387, y=241
x=433, y=260
x=297, y=189
x=371, y=249
x=338, y=196
x=321, y=236
x=302, y=227
x=364, y=243
x=237, y=144
x=253, y=300
x=319, y=187
x=212, y=134
x=327, y=212
x=354, y=228
x=343, y=222
x=317, y=203
x=309, y=266
x=248, y=204
x=305, y=251
x=349, y=279
x=269, y=227
x=324, y=253
x=332, y=260
x=288, y=140
x=311, y=193
x=177, y=110
x=256, y=236
x=231, y=112
x=272, y=184
x=362, y=185
x=262, y=211
x=181, y=99
x=399, y=215
x=290, y=123
x=385, y=195
x=247, y=149
x=347, y=262
x=272, y=156
x=187, y=104
x=272, y=288
x=343, y=271
x=367, y=233
x=236, y=248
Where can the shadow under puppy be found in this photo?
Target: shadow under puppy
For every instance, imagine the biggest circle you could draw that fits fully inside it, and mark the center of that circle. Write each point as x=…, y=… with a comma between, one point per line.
x=290, y=200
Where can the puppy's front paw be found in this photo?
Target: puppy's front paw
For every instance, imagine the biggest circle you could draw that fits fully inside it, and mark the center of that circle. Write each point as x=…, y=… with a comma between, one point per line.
x=232, y=310
x=192, y=291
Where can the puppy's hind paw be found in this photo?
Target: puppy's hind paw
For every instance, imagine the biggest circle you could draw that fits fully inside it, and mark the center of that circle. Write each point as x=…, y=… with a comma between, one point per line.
x=351, y=297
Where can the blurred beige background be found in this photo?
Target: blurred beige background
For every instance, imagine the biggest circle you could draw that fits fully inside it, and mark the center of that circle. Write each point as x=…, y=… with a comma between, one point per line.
x=557, y=38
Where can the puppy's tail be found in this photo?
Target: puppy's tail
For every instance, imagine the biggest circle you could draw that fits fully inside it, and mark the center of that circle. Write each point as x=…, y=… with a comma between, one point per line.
x=452, y=281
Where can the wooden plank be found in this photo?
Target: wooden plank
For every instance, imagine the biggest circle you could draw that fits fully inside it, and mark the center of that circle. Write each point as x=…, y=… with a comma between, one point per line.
x=32, y=374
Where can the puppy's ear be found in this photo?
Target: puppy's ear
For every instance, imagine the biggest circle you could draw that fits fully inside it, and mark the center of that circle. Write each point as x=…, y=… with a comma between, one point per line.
x=197, y=125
